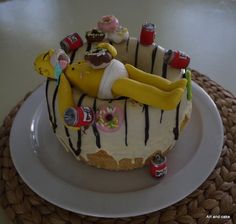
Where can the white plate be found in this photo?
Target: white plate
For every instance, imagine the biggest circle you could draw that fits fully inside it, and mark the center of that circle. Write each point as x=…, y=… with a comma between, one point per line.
x=55, y=175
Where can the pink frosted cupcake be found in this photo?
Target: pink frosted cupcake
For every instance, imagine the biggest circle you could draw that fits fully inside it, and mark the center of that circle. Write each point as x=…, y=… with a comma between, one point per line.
x=108, y=23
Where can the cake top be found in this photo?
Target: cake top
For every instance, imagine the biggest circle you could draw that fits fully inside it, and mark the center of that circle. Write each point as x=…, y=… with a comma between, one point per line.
x=101, y=75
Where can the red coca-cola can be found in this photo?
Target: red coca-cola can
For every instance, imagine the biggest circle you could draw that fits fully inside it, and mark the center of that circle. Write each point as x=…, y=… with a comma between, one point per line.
x=158, y=166
x=176, y=59
x=148, y=33
x=71, y=42
x=79, y=116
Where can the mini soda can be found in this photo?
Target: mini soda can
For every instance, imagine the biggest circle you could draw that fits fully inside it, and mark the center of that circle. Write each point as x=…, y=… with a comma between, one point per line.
x=158, y=166
x=176, y=59
x=71, y=42
x=148, y=34
x=79, y=116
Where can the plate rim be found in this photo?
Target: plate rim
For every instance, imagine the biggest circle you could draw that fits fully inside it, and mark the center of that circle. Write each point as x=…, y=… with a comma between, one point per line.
x=123, y=200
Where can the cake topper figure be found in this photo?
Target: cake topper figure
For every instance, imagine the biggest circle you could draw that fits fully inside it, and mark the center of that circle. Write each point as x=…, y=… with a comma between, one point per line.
x=115, y=80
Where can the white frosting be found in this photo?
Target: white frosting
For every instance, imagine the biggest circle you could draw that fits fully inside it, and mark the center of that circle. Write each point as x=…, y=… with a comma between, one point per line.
x=161, y=136
x=119, y=35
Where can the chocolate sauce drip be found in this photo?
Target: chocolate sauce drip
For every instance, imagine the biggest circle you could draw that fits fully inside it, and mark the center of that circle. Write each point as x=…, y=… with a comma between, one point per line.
x=70, y=142
x=54, y=124
x=89, y=46
x=126, y=122
x=45, y=55
x=164, y=70
x=72, y=57
x=136, y=54
x=46, y=93
x=118, y=98
x=164, y=75
x=162, y=111
x=146, y=112
x=81, y=99
x=95, y=130
x=79, y=132
x=154, y=52
x=127, y=45
x=176, y=128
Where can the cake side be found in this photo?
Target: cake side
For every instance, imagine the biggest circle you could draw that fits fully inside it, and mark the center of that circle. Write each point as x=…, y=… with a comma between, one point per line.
x=116, y=101
x=135, y=140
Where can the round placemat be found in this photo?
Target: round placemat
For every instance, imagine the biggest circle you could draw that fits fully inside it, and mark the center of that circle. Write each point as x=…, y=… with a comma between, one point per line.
x=213, y=202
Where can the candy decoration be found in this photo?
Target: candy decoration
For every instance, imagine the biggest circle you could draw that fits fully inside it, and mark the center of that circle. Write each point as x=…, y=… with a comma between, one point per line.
x=94, y=35
x=109, y=118
x=79, y=116
x=108, y=23
x=98, y=58
x=176, y=59
x=71, y=43
x=158, y=166
x=119, y=35
x=148, y=34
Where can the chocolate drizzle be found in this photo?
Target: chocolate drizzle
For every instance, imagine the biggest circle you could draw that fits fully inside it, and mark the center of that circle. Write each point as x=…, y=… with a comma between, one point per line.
x=45, y=55
x=70, y=143
x=72, y=57
x=95, y=130
x=162, y=111
x=136, y=54
x=79, y=132
x=127, y=45
x=154, y=52
x=126, y=122
x=146, y=112
x=46, y=93
x=164, y=70
x=176, y=128
x=164, y=75
x=54, y=124
x=89, y=46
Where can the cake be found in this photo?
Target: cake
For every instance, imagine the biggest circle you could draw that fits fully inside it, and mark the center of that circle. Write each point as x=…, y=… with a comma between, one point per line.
x=116, y=101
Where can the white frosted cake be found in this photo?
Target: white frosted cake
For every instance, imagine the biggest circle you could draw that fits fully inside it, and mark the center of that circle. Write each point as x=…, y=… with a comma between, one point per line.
x=138, y=102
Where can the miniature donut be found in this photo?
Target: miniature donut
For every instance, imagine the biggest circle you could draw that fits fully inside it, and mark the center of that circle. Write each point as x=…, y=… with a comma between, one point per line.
x=94, y=35
x=98, y=58
x=108, y=23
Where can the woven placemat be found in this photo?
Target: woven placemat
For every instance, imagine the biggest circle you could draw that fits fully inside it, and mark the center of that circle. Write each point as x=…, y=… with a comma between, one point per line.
x=213, y=202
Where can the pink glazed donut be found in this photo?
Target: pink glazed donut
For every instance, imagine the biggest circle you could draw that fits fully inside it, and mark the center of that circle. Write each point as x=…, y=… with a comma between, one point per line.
x=108, y=23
